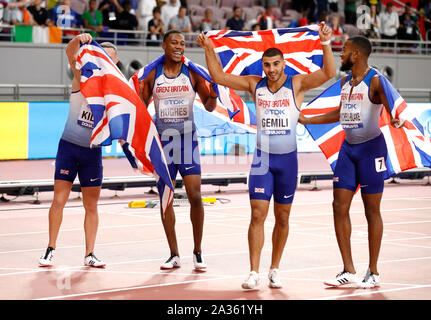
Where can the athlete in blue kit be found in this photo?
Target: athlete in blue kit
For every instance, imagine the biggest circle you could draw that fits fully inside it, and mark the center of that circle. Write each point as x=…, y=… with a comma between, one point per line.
x=173, y=87
x=278, y=98
x=74, y=157
x=361, y=160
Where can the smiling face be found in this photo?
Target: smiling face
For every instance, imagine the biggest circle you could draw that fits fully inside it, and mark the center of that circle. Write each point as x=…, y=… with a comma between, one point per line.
x=174, y=47
x=273, y=67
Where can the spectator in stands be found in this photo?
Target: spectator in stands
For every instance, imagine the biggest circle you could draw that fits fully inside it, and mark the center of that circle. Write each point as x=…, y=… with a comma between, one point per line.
x=126, y=20
x=79, y=6
x=425, y=11
x=40, y=14
x=156, y=29
x=93, y=19
x=333, y=5
x=338, y=35
x=63, y=16
x=322, y=6
x=255, y=27
x=350, y=11
x=20, y=16
x=267, y=20
x=110, y=9
x=169, y=10
x=236, y=22
x=181, y=21
x=372, y=27
x=208, y=22
x=324, y=16
x=145, y=12
x=408, y=29
x=388, y=24
x=303, y=21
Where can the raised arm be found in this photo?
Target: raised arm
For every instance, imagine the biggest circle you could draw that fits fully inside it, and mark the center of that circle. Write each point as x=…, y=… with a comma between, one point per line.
x=72, y=53
x=243, y=83
x=305, y=82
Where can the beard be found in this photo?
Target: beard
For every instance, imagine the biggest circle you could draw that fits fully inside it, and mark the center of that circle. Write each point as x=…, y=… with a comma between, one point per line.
x=346, y=66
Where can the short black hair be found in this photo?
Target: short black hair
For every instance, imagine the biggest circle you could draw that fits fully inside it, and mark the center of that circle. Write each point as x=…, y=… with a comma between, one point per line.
x=272, y=52
x=156, y=9
x=362, y=43
x=169, y=32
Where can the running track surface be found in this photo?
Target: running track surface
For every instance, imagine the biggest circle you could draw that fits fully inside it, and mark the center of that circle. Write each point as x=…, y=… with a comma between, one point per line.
x=132, y=242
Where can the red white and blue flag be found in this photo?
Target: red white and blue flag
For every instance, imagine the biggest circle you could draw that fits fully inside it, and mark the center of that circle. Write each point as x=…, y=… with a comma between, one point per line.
x=119, y=113
x=241, y=52
x=230, y=105
x=408, y=147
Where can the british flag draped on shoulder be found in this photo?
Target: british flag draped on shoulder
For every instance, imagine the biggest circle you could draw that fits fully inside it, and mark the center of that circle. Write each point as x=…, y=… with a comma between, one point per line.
x=119, y=113
x=231, y=104
x=408, y=147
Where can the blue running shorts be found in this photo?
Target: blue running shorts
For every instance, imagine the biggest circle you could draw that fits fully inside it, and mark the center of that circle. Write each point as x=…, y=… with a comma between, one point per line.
x=362, y=164
x=182, y=155
x=273, y=174
x=75, y=160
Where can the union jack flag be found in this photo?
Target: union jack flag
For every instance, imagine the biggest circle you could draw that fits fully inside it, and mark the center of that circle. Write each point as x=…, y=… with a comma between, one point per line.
x=408, y=147
x=241, y=52
x=119, y=113
x=230, y=104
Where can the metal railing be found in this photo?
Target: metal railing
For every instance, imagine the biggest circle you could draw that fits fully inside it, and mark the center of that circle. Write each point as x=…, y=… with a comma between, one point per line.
x=139, y=38
x=34, y=92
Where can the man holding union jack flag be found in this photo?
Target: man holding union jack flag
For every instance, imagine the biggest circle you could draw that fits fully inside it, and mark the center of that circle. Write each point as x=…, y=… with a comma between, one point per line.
x=75, y=157
x=173, y=86
x=362, y=157
x=277, y=97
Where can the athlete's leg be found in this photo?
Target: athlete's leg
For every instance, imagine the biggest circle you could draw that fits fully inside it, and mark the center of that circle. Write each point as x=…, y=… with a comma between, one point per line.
x=256, y=234
x=343, y=227
x=192, y=184
x=168, y=221
x=280, y=232
x=90, y=198
x=61, y=194
x=375, y=227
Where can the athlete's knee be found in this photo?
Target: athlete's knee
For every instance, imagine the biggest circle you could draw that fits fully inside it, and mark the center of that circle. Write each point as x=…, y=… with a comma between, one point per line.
x=340, y=208
x=282, y=219
x=258, y=217
x=58, y=204
x=195, y=198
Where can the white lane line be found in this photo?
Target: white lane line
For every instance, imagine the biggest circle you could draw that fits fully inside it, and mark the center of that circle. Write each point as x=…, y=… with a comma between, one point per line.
x=368, y=292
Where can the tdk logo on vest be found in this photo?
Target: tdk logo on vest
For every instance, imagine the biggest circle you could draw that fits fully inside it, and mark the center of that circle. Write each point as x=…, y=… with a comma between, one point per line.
x=174, y=102
x=350, y=106
x=275, y=112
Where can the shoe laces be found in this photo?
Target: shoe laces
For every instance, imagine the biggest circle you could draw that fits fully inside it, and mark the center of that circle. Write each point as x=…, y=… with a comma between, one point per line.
x=170, y=258
x=369, y=275
x=48, y=252
x=92, y=256
x=342, y=273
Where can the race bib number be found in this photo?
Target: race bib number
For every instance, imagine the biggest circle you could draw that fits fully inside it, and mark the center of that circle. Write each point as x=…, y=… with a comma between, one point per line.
x=380, y=164
x=85, y=118
x=275, y=121
x=174, y=110
x=350, y=116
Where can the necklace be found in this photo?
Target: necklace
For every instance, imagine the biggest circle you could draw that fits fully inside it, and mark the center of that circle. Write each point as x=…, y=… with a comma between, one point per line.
x=356, y=81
